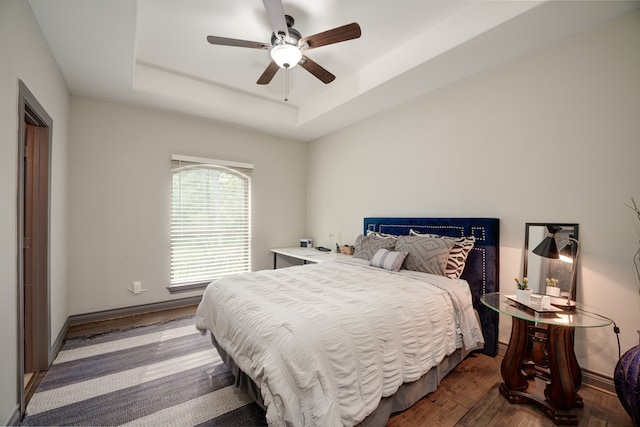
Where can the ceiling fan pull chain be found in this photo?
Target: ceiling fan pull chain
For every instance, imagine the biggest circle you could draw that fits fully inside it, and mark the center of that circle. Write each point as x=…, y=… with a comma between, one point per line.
x=286, y=95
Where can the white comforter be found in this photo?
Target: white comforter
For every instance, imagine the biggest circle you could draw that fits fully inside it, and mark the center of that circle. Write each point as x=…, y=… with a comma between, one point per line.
x=325, y=342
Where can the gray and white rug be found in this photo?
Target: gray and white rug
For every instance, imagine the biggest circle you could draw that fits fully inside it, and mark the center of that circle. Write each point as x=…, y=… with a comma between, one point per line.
x=159, y=375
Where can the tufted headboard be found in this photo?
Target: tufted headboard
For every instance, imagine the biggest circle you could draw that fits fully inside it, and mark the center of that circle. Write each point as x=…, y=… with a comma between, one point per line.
x=481, y=269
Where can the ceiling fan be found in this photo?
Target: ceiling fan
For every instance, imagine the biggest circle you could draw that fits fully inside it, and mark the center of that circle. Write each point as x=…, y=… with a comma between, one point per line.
x=287, y=44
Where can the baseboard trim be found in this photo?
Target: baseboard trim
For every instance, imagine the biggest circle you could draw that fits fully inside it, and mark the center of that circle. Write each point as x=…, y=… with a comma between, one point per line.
x=14, y=419
x=598, y=381
x=59, y=342
x=80, y=319
x=589, y=378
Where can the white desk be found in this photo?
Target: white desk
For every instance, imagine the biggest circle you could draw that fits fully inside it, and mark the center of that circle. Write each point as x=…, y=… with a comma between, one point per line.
x=306, y=254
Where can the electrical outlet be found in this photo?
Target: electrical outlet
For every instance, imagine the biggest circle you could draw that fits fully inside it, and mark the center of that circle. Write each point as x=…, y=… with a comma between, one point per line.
x=136, y=288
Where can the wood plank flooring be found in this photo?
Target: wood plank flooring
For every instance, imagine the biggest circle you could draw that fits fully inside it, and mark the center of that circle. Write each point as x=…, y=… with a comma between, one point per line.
x=127, y=322
x=467, y=397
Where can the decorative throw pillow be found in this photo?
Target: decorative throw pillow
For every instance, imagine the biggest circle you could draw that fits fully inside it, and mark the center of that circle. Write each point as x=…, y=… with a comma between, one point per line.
x=425, y=254
x=378, y=234
x=367, y=246
x=388, y=260
x=458, y=254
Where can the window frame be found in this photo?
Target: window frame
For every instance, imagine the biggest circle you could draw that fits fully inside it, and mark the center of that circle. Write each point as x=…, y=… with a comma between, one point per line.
x=238, y=167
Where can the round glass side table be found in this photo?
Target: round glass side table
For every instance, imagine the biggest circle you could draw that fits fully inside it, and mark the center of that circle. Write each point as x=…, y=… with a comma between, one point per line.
x=541, y=346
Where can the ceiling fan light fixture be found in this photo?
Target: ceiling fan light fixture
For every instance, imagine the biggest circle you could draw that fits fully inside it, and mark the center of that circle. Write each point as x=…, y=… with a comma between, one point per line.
x=286, y=55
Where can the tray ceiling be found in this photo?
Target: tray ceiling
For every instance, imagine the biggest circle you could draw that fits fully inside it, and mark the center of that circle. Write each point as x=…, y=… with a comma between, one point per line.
x=154, y=53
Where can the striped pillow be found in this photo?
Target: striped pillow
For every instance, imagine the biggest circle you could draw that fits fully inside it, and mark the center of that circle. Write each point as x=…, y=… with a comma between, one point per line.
x=458, y=254
x=388, y=260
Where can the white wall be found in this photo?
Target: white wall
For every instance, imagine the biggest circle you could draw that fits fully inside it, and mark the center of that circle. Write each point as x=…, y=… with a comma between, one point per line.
x=119, y=191
x=25, y=55
x=553, y=136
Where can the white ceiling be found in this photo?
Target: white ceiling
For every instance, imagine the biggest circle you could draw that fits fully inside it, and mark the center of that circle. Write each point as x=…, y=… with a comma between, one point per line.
x=154, y=53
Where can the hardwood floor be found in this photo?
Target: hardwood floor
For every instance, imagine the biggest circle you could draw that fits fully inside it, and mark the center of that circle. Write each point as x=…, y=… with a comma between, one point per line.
x=467, y=397
x=126, y=322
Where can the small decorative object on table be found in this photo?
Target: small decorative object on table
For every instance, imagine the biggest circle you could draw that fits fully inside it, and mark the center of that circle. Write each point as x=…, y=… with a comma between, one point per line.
x=535, y=301
x=523, y=292
x=346, y=249
x=552, y=287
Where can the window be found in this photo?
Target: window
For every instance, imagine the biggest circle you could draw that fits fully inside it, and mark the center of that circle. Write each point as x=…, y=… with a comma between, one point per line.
x=210, y=220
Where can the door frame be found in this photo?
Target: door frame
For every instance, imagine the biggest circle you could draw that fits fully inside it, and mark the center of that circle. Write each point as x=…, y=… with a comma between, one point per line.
x=31, y=111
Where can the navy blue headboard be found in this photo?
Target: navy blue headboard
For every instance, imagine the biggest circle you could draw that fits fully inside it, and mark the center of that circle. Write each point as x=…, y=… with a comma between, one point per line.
x=481, y=269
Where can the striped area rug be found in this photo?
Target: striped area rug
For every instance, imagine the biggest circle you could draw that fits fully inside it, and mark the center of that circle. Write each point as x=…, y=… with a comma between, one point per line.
x=159, y=375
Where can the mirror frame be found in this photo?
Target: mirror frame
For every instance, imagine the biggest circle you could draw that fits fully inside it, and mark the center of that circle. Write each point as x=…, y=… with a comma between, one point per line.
x=574, y=234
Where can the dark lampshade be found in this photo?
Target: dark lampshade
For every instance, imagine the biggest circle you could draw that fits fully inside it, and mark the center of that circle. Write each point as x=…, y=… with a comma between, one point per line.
x=548, y=247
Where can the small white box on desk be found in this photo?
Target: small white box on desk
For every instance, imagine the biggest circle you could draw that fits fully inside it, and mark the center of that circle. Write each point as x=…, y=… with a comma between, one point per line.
x=306, y=243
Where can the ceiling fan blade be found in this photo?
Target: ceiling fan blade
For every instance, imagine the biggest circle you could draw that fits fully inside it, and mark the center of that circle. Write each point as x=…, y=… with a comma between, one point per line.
x=275, y=12
x=268, y=73
x=340, y=34
x=238, y=43
x=317, y=70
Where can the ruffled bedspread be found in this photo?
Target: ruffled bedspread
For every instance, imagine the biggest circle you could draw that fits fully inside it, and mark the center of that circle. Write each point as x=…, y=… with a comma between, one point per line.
x=325, y=342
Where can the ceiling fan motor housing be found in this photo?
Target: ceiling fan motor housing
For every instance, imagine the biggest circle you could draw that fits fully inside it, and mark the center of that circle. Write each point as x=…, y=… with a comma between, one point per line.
x=294, y=37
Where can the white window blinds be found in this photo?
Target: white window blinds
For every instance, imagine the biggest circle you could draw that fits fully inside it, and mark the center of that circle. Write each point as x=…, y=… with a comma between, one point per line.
x=210, y=219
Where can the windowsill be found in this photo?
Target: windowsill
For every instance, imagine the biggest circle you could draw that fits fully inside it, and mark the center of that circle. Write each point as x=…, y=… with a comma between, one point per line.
x=188, y=287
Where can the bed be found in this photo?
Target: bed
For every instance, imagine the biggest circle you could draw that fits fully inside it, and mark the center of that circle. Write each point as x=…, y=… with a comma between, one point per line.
x=350, y=342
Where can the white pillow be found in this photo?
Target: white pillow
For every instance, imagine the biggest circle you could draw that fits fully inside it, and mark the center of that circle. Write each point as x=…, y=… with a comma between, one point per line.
x=388, y=260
